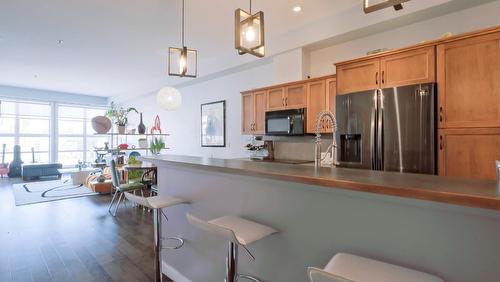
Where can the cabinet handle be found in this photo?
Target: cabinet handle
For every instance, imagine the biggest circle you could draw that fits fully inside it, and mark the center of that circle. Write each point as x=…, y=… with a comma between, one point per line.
x=286, y=101
x=376, y=78
x=383, y=77
x=440, y=114
x=441, y=142
x=283, y=101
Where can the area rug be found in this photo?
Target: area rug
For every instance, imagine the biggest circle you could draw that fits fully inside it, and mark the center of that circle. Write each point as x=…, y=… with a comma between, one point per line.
x=46, y=191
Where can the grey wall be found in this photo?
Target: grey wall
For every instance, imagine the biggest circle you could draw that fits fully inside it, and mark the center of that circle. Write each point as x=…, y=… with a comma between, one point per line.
x=456, y=243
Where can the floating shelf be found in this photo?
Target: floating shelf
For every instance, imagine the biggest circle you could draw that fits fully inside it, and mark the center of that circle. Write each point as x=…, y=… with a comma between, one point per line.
x=130, y=134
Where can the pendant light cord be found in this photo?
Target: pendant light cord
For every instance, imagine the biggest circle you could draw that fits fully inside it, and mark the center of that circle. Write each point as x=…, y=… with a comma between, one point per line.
x=250, y=7
x=183, y=23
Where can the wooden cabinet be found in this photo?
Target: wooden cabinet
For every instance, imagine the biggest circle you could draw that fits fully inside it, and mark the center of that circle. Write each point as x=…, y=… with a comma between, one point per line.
x=320, y=97
x=253, y=105
x=358, y=76
x=275, y=99
x=469, y=153
x=408, y=67
x=469, y=82
x=296, y=96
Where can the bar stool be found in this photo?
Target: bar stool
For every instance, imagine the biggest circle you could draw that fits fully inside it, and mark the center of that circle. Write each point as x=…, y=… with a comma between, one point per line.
x=239, y=232
x=157, y=203
x=350, y=268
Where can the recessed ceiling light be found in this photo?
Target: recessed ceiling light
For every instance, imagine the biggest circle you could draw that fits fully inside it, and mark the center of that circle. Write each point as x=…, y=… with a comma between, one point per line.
x=297, y=9
x=60, y=41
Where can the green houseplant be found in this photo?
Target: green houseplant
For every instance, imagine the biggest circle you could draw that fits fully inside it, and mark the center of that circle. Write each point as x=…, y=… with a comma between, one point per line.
x=156, y=145
x=119, y=116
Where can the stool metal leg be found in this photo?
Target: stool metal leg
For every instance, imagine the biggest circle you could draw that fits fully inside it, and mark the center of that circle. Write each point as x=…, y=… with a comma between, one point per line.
x=157, y=237
x=231, y=262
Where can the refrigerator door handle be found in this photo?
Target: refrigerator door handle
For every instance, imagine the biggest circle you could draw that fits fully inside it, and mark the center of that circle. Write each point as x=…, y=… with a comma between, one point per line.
x=380, y=133
x=372, y=139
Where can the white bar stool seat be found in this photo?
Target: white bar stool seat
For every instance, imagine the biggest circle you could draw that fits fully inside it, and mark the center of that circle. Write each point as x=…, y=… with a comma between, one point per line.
x=239, y=232
x=350, y=268
x=157, y=203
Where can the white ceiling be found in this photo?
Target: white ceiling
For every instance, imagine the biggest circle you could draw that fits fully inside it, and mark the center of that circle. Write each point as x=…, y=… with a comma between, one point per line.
x=119, y=47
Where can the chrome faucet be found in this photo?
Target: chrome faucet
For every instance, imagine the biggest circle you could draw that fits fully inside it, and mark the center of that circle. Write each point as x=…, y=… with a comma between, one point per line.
x=333, y=147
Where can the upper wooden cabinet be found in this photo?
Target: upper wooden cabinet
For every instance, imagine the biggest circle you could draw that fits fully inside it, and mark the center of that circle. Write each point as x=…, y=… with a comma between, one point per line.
x=409, y=67
x=253, y=109
x=358, y=76
x=296, y=96
x=316, y=102
x=469, y=153
x=469, y=82
x=275, y=99
x=402, y=68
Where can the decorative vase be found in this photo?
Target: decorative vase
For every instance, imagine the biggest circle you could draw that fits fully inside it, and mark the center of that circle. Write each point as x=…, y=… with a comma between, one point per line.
x=121, y=129
x=141, y=128
x=101, y=124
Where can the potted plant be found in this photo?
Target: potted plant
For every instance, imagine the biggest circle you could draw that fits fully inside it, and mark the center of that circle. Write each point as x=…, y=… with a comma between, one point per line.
x=156, y=145
x=119, y=116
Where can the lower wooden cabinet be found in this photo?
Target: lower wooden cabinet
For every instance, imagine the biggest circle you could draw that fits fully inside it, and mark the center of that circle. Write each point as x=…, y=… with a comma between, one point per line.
x=469, y=153
x=253, y=110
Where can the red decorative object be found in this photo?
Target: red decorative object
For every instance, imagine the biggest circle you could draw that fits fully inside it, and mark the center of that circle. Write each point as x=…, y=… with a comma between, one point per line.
x=123, y=146
x=156, y=129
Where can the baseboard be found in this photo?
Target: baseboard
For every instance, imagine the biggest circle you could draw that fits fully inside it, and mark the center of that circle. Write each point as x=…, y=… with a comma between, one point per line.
x=173, y=274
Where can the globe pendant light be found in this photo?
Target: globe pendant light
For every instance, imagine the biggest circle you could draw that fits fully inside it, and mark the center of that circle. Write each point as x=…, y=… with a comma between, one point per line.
x=375, y=5
x=182, y=61
x=169, y=98
x=249, y=32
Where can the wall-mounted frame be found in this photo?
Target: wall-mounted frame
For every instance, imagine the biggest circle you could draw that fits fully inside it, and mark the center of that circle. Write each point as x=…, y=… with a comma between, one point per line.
x=213, y=124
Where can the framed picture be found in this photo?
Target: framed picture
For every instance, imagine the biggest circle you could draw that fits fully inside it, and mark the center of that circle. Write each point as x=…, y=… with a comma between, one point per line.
x=213, y=124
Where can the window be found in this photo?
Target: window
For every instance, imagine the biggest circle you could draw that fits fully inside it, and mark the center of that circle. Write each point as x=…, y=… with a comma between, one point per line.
x=26, y=124
x=76, y=139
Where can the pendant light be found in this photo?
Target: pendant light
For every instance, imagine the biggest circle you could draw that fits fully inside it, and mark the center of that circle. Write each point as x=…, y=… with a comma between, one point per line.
x=379, y=5
x=182, y=61
x=249, y=32
x=169, y=98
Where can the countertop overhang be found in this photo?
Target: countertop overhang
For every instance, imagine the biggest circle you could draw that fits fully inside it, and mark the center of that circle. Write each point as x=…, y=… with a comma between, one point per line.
x=465, y=192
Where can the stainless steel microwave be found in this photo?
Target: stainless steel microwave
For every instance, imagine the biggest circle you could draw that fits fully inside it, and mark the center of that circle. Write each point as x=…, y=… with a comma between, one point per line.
x=286, y=122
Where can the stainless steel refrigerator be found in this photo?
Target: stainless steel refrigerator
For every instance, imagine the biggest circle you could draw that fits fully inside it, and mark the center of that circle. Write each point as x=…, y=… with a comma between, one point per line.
x=390, y=129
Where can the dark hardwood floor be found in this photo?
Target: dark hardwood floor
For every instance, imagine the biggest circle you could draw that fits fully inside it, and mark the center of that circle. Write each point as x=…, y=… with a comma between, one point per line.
x=73, y=240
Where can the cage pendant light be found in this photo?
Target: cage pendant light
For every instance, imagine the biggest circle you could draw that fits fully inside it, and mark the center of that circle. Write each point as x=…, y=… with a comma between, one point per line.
x=375, y=5
x=249, y=32
x=182, y=61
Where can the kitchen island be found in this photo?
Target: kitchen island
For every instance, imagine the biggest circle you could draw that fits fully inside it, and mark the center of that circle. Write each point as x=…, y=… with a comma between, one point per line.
x=444, y=226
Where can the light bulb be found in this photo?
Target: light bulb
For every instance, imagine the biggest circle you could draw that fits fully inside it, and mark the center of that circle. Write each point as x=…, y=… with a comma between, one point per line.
x=182, y=64
x=250, y=34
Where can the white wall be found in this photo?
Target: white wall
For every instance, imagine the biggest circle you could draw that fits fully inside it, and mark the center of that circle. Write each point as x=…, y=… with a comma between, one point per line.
x=479, y=17
x=184, y=124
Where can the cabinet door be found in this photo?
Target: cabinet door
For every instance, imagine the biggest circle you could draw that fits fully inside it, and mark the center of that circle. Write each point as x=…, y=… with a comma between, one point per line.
x=358, y=76
x=316, y=102
x=469, y=82
x=275, y=99
x=407, y=68
x=247, y=113
x=296, y=96
x=260, y=104
x=469, y=153
x=331, y=93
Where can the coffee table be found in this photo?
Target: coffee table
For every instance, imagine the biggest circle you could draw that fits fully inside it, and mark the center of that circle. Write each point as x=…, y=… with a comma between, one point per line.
x=78, y=176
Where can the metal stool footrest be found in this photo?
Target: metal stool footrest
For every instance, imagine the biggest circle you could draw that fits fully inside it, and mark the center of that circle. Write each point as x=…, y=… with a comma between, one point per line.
x=178, y=239
x=244, y=276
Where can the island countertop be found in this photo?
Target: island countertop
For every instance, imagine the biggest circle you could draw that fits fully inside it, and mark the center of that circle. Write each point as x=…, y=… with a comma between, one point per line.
x=464, y=192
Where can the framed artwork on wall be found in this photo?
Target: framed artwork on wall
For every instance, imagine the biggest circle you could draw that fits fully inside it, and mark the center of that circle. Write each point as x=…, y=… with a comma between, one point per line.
x=213, y=124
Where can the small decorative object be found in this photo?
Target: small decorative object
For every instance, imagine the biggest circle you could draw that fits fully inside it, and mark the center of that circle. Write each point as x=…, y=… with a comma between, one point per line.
x=182, y=61
x=156, y=145
x=156, y=129
x=119, y=116
x=80, y=165
x=106, y=146
x=133, y=161
x=249, y=32
x=143, y=143
x=169, y=98
x=101, y=124
x=101, y=178
x=376, y=51
x=141, y=128
x=134, y=154
x=372, y=5
x=4, y=167
x=15, y=167
x=131, y=131
x=447, y=34
x=123, y=146
x=213, y=124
